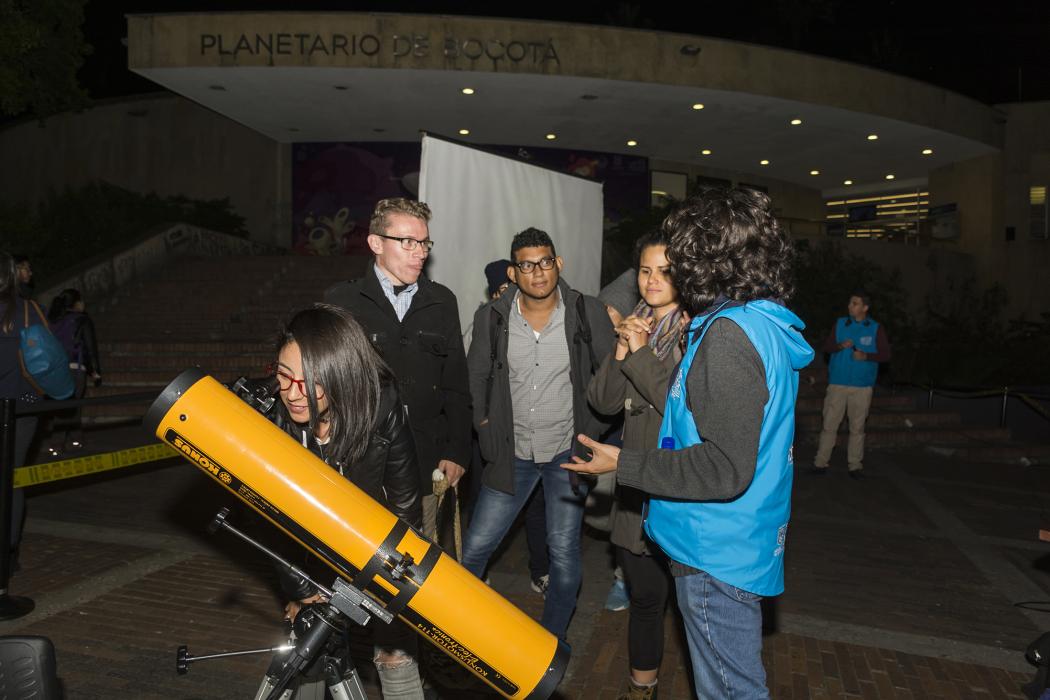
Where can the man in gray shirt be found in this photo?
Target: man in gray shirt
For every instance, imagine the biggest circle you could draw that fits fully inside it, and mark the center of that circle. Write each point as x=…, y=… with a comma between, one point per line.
x=532, y=355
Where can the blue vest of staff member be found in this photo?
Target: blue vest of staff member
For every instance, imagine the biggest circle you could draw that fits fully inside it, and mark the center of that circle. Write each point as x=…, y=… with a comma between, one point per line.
x=720, y=494
x=739, y=541
x=844, y=369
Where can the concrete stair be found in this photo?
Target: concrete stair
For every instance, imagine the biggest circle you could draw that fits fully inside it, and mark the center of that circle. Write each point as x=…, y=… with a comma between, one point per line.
x=896, y=421
x=219, y=314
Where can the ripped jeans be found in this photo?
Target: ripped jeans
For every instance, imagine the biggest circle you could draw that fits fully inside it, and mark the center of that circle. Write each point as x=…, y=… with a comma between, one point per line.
x=398, y=674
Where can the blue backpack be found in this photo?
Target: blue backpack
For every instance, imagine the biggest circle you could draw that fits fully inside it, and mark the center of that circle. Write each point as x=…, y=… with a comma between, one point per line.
x=45, y=360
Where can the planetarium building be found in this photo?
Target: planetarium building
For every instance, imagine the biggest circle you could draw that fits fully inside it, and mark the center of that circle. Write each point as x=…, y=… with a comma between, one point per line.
x=303, y=120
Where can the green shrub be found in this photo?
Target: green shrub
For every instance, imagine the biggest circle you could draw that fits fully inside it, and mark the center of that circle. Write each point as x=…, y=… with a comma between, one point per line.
x=70, y=227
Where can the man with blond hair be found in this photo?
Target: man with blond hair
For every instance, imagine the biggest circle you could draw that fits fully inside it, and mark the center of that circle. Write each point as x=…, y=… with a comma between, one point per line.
x=413, y=323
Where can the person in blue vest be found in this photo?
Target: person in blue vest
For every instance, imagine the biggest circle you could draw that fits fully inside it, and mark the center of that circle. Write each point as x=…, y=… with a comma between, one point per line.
x=857, y=345
x=720, y=480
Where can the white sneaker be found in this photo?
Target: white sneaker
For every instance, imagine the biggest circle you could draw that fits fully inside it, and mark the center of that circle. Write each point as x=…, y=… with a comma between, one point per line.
x=541, y=584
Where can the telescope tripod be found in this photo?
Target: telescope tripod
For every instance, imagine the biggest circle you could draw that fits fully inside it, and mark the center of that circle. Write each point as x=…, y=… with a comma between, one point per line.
x=324, y=628
x=313, y=638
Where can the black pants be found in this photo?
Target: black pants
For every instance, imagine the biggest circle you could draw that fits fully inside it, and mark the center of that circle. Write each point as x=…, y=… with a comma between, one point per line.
x=25, y=429
x=68, y=422
x=648, y=583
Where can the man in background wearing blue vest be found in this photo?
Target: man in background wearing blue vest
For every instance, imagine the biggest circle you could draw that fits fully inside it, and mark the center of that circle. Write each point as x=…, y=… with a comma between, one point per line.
x=857, y=345
x=721, y=482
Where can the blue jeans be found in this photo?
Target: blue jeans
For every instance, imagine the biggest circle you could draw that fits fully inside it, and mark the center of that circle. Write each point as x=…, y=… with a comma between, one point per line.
x=495, y=512
x=724, y=627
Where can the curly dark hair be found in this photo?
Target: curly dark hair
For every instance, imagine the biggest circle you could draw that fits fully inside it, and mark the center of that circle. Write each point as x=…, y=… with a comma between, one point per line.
x=531, y=238
x=727, y=243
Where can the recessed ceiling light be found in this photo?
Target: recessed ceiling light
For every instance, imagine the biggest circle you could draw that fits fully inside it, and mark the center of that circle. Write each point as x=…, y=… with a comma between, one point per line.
x=551, y=137
x=763, y=162
x=847, y=182
x=890, y=176
x=468, y=91
x=796, y=122
x=927, y=151
x=873, y=137
x=698, y=105
x=814, y=172
x=464, y=132
x=632, y=143
x=705, y=152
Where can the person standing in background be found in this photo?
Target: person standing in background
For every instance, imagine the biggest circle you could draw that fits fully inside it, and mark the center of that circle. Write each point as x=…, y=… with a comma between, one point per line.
x=857, y=345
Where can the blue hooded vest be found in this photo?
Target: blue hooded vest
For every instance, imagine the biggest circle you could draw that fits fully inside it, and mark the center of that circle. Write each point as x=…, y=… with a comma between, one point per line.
x=739, y=541
x=843, y=369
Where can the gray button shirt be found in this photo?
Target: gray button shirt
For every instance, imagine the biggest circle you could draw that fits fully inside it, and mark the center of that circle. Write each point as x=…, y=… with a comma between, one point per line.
x=540, y=385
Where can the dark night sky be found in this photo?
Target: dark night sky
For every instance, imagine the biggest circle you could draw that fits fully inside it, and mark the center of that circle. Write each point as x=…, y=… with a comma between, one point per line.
x=991, y=51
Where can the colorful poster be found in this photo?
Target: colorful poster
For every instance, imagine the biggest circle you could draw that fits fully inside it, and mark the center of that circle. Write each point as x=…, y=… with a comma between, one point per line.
x=336, y=185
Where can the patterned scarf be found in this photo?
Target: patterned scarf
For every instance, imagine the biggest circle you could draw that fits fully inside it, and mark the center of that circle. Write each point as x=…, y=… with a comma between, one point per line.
x=667, y=334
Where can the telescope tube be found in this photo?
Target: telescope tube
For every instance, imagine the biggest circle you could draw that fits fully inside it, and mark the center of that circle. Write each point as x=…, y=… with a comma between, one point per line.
x=359, y=538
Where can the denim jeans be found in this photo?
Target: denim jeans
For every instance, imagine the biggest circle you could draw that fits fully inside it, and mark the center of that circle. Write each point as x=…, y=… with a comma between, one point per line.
x=495, y=512
x=724, y=627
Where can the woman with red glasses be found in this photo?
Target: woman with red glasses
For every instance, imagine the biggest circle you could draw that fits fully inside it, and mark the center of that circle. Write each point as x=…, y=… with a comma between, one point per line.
x=339, y=400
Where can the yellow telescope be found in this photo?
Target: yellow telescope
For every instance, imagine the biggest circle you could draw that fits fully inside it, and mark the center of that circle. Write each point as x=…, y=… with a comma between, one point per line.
x=360, y=539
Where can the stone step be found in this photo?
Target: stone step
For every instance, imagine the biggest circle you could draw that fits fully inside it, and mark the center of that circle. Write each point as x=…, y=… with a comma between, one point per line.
x=133, y=348
x=919, y=437
x=135, y=379
x=207, y=361
x=898, y=402
x=807, y=422
x=1014, y=453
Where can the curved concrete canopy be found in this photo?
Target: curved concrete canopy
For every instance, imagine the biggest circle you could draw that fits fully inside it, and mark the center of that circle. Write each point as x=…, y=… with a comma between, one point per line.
x=369, y=77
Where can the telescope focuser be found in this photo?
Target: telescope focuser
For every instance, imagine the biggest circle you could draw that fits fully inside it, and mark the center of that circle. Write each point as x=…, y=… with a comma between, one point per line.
x=398, y=568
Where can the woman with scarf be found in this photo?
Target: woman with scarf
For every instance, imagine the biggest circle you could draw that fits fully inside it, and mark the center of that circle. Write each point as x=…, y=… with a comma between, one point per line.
x=634, y=380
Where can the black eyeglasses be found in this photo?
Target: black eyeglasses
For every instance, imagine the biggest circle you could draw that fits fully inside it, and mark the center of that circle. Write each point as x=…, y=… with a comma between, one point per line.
x=527, y=266
x=410, y=243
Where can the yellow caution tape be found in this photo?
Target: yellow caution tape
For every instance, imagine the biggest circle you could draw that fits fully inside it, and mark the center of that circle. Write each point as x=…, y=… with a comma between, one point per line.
x=92, y=464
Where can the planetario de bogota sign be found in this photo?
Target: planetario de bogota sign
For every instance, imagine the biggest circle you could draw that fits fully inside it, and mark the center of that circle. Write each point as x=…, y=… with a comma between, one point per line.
x=308, y=44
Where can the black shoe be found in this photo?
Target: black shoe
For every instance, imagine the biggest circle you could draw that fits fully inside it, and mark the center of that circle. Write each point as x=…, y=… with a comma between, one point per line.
x=818, y=470
x=856, y=474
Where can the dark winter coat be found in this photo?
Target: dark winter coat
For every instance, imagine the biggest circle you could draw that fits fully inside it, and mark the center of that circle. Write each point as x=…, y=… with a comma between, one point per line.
x=425, y=351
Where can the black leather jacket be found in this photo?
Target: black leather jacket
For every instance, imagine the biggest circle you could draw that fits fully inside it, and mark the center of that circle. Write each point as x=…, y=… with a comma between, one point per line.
x=388, y=471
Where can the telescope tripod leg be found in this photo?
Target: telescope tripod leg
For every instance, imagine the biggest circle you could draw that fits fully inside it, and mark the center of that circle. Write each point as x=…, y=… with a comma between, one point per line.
x=267, y=686
x=340, y=677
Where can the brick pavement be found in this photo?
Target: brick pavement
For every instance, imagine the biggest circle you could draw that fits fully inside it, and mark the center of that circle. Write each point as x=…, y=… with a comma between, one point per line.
x=899, y=586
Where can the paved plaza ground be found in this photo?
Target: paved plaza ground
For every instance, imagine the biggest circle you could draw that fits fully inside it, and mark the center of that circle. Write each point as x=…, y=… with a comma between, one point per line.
x=905, y=584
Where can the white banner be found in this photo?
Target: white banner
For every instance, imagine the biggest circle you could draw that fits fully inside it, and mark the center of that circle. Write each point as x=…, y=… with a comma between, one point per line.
x=480, y=201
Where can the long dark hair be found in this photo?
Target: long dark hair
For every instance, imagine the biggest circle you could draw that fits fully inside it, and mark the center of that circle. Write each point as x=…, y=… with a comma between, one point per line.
x=62, y=304
x=337, y=355
x=727, y=243
x=8, y=290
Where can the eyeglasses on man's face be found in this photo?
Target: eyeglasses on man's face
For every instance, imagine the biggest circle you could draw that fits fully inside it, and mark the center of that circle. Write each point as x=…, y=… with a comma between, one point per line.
x=285, y=382
x=527, y=266
x=409, y=243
